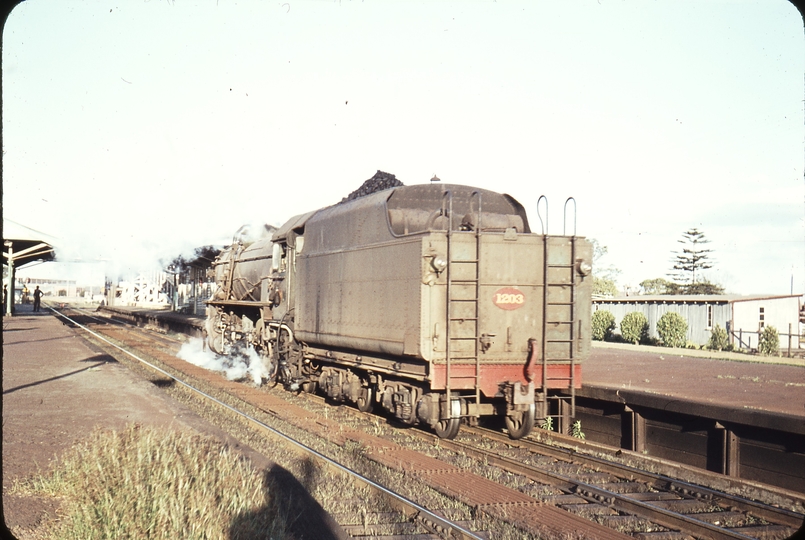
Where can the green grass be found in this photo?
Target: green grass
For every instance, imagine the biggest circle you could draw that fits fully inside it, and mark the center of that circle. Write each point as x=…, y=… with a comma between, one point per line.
x=146, y=483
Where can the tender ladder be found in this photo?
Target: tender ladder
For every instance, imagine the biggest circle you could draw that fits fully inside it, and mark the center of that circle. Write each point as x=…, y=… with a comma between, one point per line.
x=561, y=325
x=463, y=280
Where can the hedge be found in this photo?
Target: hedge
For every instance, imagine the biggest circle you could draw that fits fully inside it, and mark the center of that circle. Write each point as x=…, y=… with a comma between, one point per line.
x=672, y=329
x=603, y=324
x=634, y=327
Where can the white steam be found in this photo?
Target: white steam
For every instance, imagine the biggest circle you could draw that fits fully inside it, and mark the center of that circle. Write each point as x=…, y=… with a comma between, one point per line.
x=240, y=364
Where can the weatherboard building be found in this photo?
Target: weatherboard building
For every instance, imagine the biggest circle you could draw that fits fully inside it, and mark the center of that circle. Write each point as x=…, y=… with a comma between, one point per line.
x=742, y=316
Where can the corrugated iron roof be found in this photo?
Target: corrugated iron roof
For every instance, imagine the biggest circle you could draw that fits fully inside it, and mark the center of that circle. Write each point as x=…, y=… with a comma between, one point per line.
x=27, y=244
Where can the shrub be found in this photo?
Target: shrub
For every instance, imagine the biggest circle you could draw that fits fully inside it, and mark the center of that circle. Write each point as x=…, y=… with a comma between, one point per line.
x=719, y=341
x=634, y=327
x=769, y=342
x=673, y=329
x=603, y=324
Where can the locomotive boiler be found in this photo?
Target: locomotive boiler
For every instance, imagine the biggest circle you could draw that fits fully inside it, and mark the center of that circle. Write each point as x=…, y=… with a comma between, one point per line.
x=435, y=302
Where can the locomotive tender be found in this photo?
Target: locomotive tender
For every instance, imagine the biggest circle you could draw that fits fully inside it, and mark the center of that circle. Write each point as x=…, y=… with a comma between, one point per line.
x=434, y=301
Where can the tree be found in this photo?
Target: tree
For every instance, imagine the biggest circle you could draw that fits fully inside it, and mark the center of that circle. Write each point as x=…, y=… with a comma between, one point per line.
x=703, y=287
x=203, y=257
x=690, y=263
x=604, y=278
x=604, y=287
x=693, y=258
x=659, y=286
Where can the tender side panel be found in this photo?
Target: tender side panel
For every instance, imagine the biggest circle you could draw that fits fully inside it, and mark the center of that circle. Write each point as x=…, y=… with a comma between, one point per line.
x=362, y=298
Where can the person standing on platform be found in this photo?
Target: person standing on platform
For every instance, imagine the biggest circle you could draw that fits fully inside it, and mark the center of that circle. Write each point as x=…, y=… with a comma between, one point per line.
x=37, y=298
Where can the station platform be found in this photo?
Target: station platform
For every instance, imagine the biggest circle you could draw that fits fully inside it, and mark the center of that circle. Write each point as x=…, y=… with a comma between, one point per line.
x=752, y=390
x=185, y=323
x=56, y=389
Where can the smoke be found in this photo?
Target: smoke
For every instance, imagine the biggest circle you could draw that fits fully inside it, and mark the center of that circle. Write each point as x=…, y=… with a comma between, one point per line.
x=251, y=232
x=241, y=364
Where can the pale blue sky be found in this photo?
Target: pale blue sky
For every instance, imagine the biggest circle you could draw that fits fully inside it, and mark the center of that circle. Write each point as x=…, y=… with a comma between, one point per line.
x=134, y=130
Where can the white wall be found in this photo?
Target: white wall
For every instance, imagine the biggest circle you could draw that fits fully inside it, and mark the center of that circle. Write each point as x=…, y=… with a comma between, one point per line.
x=777, y=312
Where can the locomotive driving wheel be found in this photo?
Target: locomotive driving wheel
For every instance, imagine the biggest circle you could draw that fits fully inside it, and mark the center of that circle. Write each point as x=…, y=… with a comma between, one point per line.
x=447, y=428
x=520, y=423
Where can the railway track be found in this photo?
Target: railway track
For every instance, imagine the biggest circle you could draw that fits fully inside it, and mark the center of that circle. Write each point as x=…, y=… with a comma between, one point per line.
x=407, y=520
x=562, y=488
x=626, y=498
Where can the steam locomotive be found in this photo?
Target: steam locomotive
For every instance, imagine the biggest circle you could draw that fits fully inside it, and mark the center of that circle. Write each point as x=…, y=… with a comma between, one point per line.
x=435, y=302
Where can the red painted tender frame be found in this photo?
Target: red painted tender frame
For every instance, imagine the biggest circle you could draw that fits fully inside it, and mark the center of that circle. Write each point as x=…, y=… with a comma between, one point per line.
x=462, y=376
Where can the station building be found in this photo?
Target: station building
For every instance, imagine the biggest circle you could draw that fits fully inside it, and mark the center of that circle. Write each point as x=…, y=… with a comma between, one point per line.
x=742, y=316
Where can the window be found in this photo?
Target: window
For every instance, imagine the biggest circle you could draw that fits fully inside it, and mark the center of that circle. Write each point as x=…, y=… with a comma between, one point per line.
x=762, y=318
x=709, y=316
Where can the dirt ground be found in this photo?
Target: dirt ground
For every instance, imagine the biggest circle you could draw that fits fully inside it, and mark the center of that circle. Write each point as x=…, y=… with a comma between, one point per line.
x=56, y=390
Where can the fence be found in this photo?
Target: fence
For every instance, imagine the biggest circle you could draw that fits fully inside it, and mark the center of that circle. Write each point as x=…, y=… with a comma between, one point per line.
x=191, y=297
x=742, y=339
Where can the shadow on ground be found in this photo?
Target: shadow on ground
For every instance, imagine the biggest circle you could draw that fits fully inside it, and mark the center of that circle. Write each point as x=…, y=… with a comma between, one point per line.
x=290, y=510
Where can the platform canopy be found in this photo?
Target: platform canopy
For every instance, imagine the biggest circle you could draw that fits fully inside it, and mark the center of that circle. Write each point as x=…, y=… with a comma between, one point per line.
x=25, y=245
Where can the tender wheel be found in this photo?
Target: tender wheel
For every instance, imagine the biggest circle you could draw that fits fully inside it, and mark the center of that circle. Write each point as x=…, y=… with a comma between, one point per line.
x=365, y=403
x=448, y=428
x=520, y=423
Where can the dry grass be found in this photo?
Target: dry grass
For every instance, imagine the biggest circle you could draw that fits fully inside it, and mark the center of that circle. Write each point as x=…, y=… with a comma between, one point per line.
x=145, y=483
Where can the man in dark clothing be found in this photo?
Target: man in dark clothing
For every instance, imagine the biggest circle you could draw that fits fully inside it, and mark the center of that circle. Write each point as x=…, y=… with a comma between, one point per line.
x=37, y=298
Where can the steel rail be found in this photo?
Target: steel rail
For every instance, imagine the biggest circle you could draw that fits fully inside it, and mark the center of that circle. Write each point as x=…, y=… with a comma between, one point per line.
x=156, y=336
x=592, y=493
x=661, y=516
x=87, y=313
x=774, y=514
x=436, y=522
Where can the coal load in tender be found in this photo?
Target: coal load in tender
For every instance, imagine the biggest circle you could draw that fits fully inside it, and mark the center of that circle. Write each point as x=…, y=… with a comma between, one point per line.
x=380, y=181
